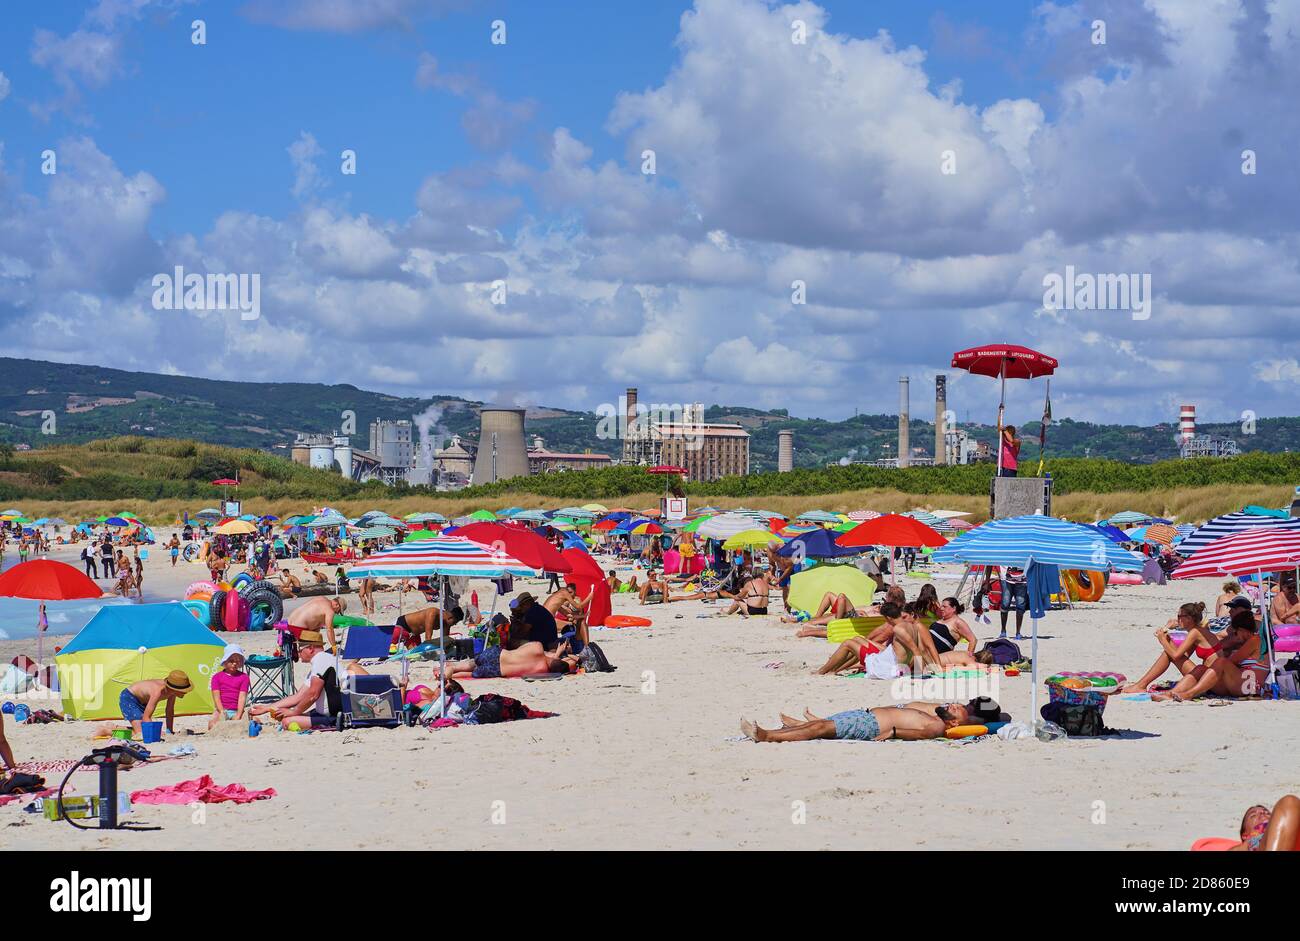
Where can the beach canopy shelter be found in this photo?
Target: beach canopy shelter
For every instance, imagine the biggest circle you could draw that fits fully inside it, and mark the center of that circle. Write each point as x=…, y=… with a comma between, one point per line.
x=808, y=588
x=1004, y=361
x=123, y=644
x=1226, y=525
x=1257, y=510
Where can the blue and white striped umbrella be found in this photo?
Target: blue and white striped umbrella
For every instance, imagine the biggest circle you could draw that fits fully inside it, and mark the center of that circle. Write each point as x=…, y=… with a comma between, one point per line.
x=1129, y=518
x=1020, y=540
x=1225, y=525
x=819, y=516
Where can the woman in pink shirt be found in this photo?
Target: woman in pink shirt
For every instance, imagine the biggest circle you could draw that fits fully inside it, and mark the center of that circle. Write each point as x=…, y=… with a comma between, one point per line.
x=230, y=686
x=1010, y=451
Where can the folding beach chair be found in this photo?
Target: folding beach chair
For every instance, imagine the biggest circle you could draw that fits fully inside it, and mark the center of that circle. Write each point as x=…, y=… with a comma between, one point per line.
x=367, y=643
x=270, y=678
x=371, y=701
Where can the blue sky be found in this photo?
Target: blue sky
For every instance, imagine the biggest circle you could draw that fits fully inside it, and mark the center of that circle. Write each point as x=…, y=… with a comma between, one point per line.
x=777, y=163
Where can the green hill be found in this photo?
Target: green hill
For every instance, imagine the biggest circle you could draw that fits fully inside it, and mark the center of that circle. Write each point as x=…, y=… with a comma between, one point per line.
x=92, y=402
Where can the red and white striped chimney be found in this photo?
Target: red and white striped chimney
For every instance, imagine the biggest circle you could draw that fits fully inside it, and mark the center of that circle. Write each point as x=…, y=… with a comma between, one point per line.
x=1187, y=422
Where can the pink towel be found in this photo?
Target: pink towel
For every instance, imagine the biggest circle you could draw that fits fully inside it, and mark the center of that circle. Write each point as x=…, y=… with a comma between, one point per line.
x=202, y=790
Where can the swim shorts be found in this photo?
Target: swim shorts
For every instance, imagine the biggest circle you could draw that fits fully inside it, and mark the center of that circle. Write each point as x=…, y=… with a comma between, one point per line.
x=487, y=665
x=859, y=725
x=132, y=708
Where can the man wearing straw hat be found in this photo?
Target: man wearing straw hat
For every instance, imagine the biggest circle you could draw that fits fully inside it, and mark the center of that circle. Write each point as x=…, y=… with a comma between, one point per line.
x=318, y=701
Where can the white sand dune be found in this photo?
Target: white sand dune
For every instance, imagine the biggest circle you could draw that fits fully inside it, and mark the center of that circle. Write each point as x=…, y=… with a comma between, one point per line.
x=647, y=758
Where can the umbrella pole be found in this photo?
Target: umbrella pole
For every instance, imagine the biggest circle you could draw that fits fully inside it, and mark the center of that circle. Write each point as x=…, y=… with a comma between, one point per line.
x=442, y=648
x=1002, y=402
x=1034, y=720
x=1265, y=603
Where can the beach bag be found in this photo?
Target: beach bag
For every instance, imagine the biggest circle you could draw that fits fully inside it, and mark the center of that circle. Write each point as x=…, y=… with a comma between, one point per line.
x=491, y=707
x=593, y=660
x=20, y=783
x=1004, y=651
x=1078, y=721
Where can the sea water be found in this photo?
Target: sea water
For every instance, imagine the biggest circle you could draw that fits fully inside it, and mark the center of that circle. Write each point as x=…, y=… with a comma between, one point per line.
x=18, y=615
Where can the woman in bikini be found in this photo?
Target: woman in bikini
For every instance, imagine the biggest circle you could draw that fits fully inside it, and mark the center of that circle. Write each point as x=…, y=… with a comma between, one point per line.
x=1268, y=830
x=1200, y=639
x=1233, y=667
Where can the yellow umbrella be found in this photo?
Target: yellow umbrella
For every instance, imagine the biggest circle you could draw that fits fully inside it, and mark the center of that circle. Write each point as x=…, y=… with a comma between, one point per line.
x=595, y=508
x=237, y=528
x=751, y=539
x=808, y=588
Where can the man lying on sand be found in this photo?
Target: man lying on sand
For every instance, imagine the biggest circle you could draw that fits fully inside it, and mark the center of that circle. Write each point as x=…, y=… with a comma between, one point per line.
x=864, y=725
x=525, y=660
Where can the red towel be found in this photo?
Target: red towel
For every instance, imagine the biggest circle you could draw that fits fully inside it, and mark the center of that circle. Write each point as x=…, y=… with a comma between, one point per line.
x=202, y=790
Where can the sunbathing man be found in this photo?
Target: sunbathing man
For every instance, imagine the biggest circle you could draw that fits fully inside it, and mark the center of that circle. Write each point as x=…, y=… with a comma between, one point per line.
x=1200, y=640
x=980, y=710
x=525, y=660
x=1276, y=829
x=866, y=725
x=1233, y=668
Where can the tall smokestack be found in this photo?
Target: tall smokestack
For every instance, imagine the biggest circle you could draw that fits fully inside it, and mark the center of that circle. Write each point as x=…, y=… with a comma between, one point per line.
x=940, y=407
x=629, y=405
x=904, y=416
x=1187, y=422
x=785, y=450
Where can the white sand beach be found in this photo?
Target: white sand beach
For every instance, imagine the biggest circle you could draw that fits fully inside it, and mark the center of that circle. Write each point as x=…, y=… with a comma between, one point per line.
x=648, y=757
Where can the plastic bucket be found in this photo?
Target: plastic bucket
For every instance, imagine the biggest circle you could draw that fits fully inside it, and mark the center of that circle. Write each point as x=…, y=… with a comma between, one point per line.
x=150, y=732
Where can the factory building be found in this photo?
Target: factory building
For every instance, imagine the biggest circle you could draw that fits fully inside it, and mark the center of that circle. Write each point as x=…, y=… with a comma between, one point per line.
x=708, y=451
x=335, y=453
x=542, y=461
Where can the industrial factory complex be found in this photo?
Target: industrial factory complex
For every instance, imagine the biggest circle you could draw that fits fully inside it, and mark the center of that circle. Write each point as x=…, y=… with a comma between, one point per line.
x=648, y=435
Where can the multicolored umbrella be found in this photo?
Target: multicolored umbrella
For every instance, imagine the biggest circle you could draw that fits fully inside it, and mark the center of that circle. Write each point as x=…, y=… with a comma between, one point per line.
x=1226, y=525
x=441, y=555
x=1250, y=551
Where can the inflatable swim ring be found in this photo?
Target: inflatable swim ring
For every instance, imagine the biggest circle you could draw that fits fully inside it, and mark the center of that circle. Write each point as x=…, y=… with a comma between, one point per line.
x=626, y=620
x=240, y=580
x=966, y=731
x=347, y=620
x=197, y=588
x=200, y=609
x=1125, y=578
x=1084, y=586
x=234, y=612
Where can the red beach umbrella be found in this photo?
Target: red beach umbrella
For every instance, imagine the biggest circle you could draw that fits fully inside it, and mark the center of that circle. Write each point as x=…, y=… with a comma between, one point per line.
x=1004, y=361
x=894, y=531
x=47, y=580
x=523, y=544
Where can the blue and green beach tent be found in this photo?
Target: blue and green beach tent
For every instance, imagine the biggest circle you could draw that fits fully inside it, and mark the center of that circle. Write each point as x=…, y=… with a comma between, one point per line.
x=123, y=644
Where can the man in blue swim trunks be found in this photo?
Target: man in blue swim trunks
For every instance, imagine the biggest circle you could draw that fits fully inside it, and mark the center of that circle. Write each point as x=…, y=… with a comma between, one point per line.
x=864, y=725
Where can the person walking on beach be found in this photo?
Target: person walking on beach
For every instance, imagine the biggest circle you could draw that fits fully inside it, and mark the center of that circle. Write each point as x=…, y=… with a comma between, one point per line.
x=88, y=559
x=1010, y=451
x=174, y=548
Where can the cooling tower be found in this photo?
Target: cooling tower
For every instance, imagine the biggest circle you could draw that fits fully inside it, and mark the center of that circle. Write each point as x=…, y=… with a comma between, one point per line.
x=785, y=451
x=904, y=416
x=940, y=406
x=504, y=455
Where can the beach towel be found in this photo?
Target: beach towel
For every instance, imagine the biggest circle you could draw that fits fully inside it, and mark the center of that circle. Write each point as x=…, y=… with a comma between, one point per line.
x=200, y=789
x=1042, y=579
